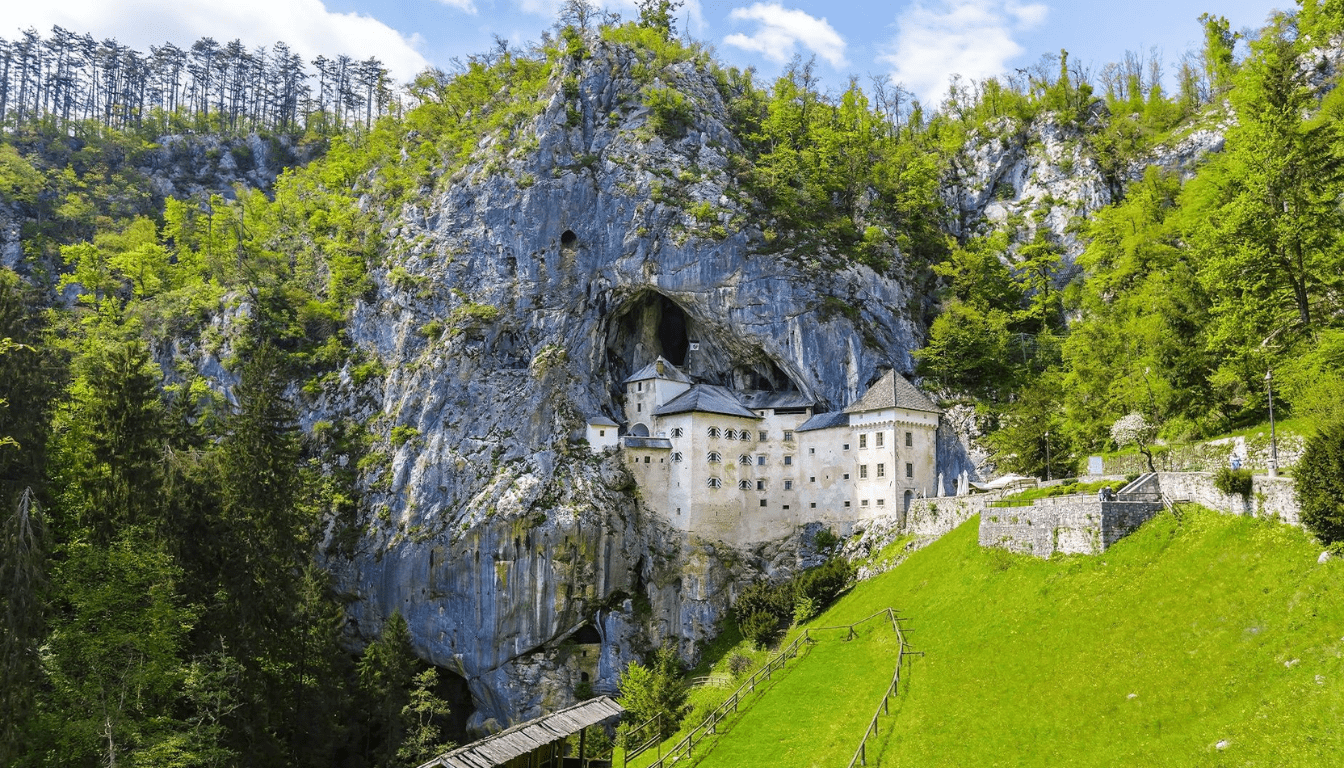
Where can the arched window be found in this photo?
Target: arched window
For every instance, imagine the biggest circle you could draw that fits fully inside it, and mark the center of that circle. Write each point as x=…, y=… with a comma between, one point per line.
x=676, y=456
x=714, y=457
x=730, y=434
x=676, y=431
x=715, y=482
x=744, y=485
x=713, y=431
x=744, y=460
x=746, y=435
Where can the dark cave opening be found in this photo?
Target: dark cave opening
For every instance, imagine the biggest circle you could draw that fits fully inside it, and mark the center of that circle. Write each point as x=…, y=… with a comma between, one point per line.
x=646, y=326
x=568, y=239
x=453, y=689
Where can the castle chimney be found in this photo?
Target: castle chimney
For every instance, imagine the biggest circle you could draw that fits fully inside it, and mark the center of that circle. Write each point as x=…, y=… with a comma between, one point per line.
x=660, y=367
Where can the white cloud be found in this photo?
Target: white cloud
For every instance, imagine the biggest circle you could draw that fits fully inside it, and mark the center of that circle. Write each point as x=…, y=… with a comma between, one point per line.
x=305, y=25
x=972, y=38
x=462, y=5
x=781, y=29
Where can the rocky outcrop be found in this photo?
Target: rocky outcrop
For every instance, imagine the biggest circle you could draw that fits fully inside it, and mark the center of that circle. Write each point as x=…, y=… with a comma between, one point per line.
x=511, y=305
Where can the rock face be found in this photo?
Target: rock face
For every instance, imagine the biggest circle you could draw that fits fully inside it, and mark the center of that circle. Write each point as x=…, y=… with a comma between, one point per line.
x=510, y=307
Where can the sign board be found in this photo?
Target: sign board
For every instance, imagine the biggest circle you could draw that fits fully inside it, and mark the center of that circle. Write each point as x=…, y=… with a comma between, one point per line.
x=1095, y=466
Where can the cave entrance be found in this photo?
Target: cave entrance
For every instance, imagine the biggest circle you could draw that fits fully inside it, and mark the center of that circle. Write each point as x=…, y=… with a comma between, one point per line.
x=648, y=325
x=453, y=689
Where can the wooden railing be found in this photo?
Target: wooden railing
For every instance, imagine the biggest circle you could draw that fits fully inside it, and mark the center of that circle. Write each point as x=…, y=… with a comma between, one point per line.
x=861, y=754
x=709, y=726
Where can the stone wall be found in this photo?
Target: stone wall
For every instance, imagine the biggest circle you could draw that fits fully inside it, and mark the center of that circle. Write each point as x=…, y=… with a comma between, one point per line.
x=1270, y=496
x=939, y=516
x=1067, y=524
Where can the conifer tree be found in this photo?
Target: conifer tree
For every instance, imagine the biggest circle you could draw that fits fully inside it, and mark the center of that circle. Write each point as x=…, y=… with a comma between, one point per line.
x=23, y=583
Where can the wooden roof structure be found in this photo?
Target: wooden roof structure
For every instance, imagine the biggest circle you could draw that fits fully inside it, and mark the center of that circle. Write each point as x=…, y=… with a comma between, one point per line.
x=528, y=737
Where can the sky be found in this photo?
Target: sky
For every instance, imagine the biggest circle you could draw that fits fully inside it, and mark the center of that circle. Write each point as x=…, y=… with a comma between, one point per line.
x=919, y=43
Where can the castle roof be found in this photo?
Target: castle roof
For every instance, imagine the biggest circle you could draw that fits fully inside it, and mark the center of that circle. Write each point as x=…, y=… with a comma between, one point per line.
x=892, y=391
x=602, y=421
x=659, y=369
x=763, y=399
x=632, y=441
x=825, y=421
x=705, y=398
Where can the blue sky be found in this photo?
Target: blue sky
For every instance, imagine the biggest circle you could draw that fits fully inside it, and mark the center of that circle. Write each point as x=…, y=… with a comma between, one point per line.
x=918, y=43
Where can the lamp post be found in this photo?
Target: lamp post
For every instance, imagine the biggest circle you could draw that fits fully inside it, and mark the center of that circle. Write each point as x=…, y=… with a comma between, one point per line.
x=1273, y=441
x=1048, y=473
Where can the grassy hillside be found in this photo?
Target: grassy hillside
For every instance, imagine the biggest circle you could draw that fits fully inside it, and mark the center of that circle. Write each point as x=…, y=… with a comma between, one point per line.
x=1194, y=631
x=1197, y=630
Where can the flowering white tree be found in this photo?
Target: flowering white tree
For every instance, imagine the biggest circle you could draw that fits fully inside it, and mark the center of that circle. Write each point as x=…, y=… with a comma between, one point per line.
x=1134, y=429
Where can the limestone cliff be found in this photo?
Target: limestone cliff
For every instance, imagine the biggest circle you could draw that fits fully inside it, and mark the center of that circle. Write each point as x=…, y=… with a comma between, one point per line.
x=510, y=306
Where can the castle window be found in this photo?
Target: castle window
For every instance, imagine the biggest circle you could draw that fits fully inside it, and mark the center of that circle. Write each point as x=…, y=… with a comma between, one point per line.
x=909, y=469
x=763, y=502
x=814, y=505
x=715, y=482
x=788, y=461
x=714, y=457
x=863, y=440
x=879, y=437
x=881, y=470
x=760, y=485
x=639, y=387
x=730, y=434
x=846, y=503
x=788, y=485
x=760, y=460
x=744, y=485
x=713, y=431
x=601, y=433
x=909, y=439
x=812, y=479
x=764, y=435
x=788, y=436
x=863, y=503
x=639, y=407
x=846, y=446
x=786, y=506
x=676, y=431
x=676, y=456
x=646, y=459
x=744, y=460
x=746, y=435
x=812, y=451
x=863, y=471
x=846, y=475
x=881, y=502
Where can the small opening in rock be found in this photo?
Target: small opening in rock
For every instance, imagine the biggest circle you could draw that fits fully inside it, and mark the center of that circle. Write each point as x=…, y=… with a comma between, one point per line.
x=568, y=239
x=587, y=635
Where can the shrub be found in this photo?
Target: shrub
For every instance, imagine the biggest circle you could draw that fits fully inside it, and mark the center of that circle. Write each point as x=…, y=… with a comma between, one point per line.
x=669, y=112
x=825, y=539
x=1320, y=484
x=804, y=609
x=656, y=689
x=739, y=664
x=1233, y=482
x=823, y=583
x=760, y=628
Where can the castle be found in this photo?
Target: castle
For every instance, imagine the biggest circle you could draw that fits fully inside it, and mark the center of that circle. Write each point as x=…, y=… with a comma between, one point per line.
x=746, y=467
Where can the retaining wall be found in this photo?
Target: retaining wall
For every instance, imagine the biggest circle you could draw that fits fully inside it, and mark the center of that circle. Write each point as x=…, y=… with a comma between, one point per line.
x=1068, y=524
x=1270, y=496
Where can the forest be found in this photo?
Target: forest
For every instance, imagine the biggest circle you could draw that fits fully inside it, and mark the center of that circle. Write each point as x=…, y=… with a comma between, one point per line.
x=163, y=600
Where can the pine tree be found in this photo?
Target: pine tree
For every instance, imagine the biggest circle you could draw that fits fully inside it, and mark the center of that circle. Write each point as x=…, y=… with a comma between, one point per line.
x=23, y=583
x=385, y=675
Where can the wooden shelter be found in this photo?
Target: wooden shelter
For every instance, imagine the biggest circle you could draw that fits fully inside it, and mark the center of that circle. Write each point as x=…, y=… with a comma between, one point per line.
x=538, y=743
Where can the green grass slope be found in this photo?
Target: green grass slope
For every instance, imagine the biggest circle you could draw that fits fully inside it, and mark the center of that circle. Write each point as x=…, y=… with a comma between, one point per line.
x=785, y=724
x=1192, y=632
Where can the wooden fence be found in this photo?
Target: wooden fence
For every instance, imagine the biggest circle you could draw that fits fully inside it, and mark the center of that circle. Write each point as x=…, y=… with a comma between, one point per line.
x=709, y=726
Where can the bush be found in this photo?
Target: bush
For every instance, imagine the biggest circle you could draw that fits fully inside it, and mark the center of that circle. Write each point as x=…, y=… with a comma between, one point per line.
x=763, y=597
x=825, y=539
x=656, y=689
x=825, y=582
x=804, y=609
x=1233, y=482
x=669, y=112
x=760, y=628
x=1320, y=484
x=739, y=664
